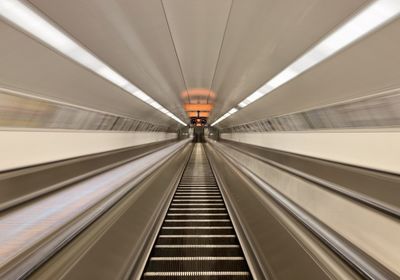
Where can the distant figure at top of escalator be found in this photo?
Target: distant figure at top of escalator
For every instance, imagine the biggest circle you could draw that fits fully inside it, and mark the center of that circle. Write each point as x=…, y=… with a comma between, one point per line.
x=198, y=134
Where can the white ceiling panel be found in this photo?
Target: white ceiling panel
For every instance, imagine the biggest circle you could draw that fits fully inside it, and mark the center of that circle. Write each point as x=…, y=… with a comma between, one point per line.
x=31, y=67
x=129, y=35
x=368, y=67
x=197, y=28
x=265, y=36
x=167, y=46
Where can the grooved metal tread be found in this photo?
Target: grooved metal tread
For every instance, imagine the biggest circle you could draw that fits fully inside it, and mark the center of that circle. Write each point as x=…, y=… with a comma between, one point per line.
x=197, y=239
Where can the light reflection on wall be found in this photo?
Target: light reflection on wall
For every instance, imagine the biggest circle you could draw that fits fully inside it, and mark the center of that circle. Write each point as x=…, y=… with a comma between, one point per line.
x=381, y=111
x=19, y=111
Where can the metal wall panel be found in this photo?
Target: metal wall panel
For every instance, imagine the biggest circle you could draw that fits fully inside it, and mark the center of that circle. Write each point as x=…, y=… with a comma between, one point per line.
x=381, y=111
x=19, y=111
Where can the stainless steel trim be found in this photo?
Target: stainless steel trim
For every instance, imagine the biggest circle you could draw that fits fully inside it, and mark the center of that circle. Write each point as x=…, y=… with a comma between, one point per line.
x=198, y=200
x=256, y=270
x=367, y=200
x=23, y=265
x=197, y=204
x=370, y=268
x=197, y=273
x=196, y=258
x=200, y=227
x=196, y=236
x=198, y=196
x=199, y=246
x=200, y=220
x=198, y=214
x=195, y=209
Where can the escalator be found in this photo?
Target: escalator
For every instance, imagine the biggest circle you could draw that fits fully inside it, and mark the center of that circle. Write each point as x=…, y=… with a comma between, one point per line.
x=197, y=239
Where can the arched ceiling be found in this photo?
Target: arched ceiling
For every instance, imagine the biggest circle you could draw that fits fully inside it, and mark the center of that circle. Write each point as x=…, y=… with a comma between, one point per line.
x=170, y=47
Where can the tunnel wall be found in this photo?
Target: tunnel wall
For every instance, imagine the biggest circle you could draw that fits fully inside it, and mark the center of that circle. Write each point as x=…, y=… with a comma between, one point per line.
x=25, y=148
x=378, y=150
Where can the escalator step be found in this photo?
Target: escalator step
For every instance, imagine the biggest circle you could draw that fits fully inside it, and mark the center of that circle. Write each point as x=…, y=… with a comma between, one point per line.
x=197, y=264
x=197, y=239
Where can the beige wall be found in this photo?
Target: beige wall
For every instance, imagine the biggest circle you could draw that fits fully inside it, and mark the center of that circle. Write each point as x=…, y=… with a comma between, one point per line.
x=25, y=148
x=377, y=150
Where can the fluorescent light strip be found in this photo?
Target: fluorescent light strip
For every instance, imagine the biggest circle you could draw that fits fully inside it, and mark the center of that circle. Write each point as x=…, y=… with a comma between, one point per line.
x=231, y=112
x=27, y=19
x=372, y=17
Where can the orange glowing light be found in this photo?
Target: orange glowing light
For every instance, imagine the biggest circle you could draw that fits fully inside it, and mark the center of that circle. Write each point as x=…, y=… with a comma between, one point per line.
x=198, y=92
x=200, y=102
x=198, y=107
x=199, y=114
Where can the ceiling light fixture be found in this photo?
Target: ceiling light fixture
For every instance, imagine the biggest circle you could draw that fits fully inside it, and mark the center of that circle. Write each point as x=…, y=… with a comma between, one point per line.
x=230, y=113
x=367, y=20
x=30, y=21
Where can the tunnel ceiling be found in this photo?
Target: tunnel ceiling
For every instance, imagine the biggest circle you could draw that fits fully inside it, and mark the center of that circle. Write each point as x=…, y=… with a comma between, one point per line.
x=169, y=48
